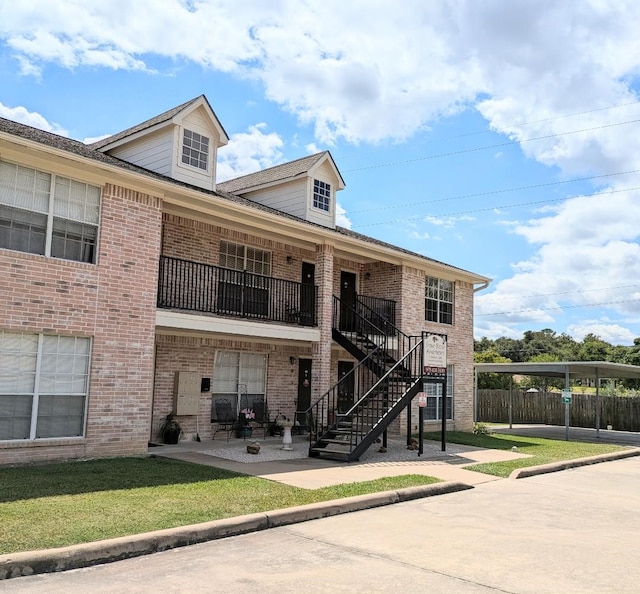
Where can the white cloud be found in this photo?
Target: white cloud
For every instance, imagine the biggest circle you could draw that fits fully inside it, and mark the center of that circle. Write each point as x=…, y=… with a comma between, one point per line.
x=248, y=152
x=447, y=221
x=611, y=333
x=341, y=217
x=378, y=70
x=31, y=118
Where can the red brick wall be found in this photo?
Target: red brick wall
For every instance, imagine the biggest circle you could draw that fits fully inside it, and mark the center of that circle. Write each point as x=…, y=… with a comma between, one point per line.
x=113, y=302
x=459, y=338
x=183, y=353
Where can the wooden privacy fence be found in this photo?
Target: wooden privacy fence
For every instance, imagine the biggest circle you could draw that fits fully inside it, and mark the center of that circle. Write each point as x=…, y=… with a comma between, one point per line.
x=621, y=412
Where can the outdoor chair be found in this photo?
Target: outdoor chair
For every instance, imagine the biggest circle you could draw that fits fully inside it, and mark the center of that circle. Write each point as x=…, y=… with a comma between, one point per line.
x=225, y=417
x=261, y=418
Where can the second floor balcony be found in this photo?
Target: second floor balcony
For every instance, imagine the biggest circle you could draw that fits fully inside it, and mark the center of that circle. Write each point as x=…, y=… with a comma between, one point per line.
x=203, y=288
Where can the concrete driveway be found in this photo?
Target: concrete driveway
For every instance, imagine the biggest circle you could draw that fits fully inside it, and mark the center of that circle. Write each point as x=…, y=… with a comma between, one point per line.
x=576, y=531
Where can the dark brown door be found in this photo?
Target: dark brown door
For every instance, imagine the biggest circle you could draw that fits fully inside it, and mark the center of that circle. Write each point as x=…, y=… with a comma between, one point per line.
x=304, y=389
x=307, y=294
x=347, y=301
x=346, y=390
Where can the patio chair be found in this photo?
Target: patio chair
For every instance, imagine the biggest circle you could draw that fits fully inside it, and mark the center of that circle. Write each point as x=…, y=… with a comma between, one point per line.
x=261, y=418
x=225, y=417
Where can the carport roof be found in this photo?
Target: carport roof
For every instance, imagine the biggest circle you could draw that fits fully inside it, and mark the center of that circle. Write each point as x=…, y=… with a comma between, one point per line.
x=576, y=369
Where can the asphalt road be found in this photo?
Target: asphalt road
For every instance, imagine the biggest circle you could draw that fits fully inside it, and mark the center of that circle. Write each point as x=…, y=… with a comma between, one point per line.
x=571, y=531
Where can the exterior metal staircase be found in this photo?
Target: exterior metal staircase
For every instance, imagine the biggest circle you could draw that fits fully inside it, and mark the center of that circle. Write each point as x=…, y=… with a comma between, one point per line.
x=387, y=377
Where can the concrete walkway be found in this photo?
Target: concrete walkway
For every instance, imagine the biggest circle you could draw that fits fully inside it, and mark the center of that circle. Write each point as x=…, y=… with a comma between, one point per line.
x=313, y=473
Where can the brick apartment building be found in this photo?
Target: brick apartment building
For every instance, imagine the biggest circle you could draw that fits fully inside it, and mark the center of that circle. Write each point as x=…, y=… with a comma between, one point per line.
x=133, y=286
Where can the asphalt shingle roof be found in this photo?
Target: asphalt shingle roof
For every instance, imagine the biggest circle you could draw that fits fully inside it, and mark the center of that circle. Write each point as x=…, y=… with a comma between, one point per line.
x=286, y=170
x=159, y=119
x=272, y=174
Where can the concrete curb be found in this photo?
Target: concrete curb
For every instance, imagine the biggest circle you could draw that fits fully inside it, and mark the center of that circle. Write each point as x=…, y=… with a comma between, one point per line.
x=520, y=473
x=115, y=549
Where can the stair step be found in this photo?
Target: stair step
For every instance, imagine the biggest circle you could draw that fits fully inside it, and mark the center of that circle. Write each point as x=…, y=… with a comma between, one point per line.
x=331, y=451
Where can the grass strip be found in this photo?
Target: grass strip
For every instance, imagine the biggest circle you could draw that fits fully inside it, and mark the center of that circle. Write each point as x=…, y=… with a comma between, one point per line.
x=540, y=450
x=54, y=505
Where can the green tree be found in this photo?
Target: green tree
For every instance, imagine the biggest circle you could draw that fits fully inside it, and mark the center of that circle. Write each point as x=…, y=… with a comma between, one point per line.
x=593, y=348
x=494, y=381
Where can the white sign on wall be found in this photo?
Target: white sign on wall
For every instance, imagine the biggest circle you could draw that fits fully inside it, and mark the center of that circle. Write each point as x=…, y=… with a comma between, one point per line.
x=435, y=355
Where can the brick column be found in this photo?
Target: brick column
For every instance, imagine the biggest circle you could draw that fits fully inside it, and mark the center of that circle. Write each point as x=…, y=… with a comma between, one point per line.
x=321, y=367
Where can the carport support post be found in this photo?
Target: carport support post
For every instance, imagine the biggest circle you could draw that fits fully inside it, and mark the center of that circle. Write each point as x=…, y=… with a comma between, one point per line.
x=566, y=405
x=510, y=402
x=597, y=403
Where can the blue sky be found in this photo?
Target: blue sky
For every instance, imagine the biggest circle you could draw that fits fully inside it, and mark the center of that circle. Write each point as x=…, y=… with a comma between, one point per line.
x=499, y=136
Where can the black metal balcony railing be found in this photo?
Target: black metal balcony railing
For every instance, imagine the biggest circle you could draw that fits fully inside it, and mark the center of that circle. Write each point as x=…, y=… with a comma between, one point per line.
x=379, y=312
x=193, y=286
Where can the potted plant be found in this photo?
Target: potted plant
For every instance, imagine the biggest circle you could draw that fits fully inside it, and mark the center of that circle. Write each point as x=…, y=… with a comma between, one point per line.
x=243, y=427
x=170, y=430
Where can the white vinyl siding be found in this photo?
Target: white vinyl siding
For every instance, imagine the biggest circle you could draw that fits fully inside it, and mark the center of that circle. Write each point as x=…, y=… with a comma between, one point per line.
x=290, y=197
x=43, y=386
x=152, y=152
x=42, y=213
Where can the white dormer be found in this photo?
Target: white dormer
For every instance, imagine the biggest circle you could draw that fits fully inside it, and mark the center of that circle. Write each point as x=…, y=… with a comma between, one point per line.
x=305, y=188
x=181, y=143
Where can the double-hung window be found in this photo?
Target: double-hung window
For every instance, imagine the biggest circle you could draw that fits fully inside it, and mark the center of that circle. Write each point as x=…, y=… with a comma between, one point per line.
x=239, y=381
x=433, y=410
x=438, y=301
x=195, y=150
x=244, y=279
x=43, y=385
x=321, y=195
x=42, y=213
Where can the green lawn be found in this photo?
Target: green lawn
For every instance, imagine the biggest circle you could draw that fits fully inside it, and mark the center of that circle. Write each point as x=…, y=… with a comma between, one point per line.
x=53, y=505
x=542, y=451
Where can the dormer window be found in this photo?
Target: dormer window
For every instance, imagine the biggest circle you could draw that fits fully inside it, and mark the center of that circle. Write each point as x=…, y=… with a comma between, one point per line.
x=195, y=150
x=321, y=195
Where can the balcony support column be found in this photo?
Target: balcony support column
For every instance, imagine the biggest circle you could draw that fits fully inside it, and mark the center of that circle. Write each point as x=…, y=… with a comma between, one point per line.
x=321, y=367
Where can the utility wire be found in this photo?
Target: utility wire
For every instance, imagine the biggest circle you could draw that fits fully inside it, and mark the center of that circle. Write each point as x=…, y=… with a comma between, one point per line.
x=559, y=307
x=503, y=207
x=491, y=192
x=491, y=146
x=576, y=292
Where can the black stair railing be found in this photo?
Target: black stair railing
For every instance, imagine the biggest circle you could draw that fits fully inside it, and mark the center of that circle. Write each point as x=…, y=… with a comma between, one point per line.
x=351, y=433
x=385, y=380
x=380, y=312
x=323, y=414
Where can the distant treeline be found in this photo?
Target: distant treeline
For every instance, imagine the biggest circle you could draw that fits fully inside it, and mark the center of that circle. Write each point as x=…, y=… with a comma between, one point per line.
x=546, y=345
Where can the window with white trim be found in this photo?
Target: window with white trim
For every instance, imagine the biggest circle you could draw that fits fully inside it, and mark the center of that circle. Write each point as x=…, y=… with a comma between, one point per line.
x=238, y=378
x=438, y=302
x=42, y=213
x=244, y=279
x=195, y=150
x=44, y=382
x=433, y=410
x=321, y=195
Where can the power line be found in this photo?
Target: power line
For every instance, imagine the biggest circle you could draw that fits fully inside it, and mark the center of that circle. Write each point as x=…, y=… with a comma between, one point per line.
x=491, y=146
x=503, y=207
x=559, y=307
x=576, y=292
x=527, y=123
x=491, y=192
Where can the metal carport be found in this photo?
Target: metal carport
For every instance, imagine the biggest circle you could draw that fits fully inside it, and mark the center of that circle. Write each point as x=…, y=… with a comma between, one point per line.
x=567, y=369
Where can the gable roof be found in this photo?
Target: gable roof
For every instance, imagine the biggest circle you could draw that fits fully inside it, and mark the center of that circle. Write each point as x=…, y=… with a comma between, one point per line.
x=158, y=120
x=278, y=173
x=75, y=147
